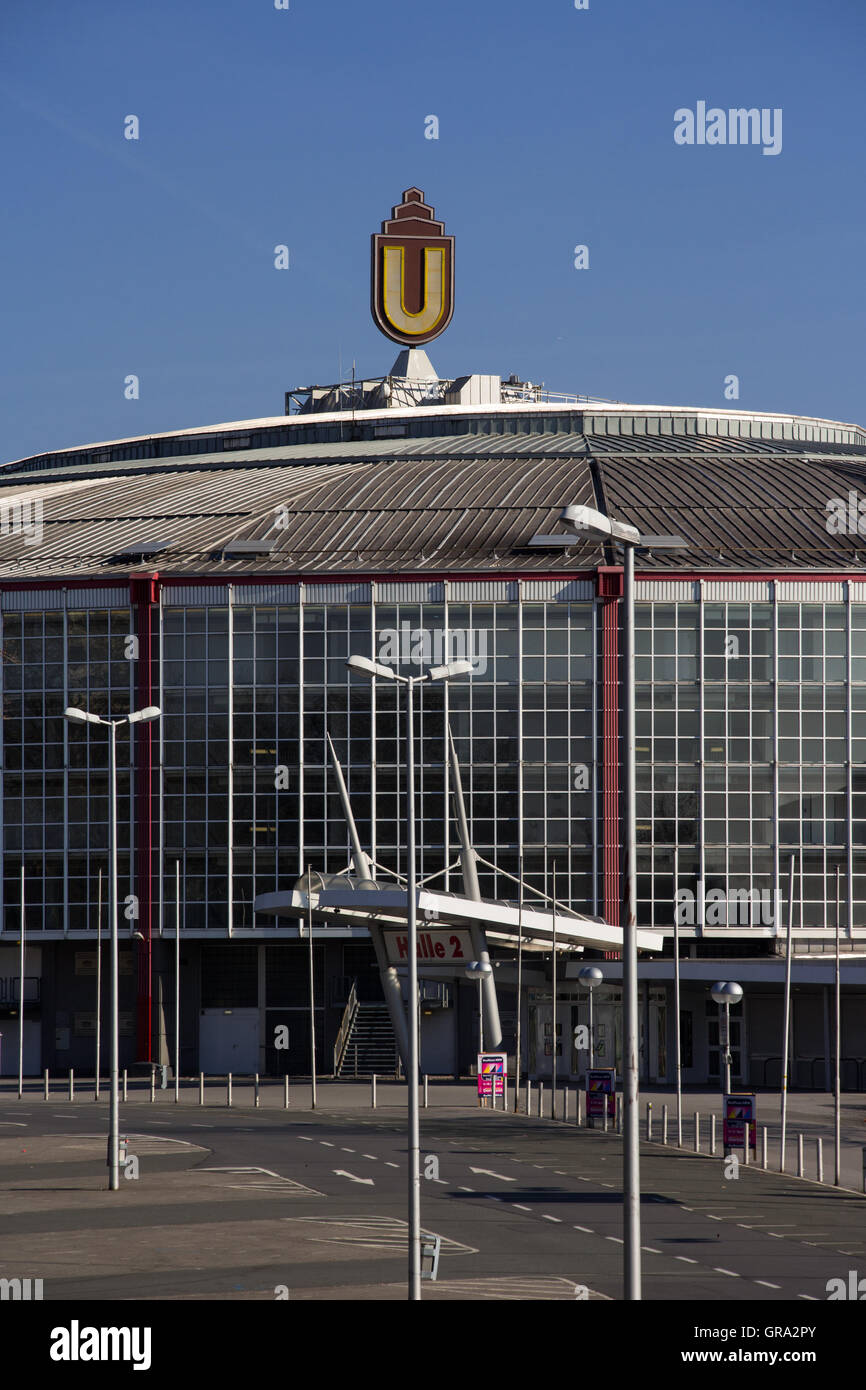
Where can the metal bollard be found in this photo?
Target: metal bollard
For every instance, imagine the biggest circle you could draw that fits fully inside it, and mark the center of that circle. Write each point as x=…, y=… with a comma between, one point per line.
x=713, y=1133
x=153, y=1083
x=697, y=1131
x=425, y=1092
x=201, y=1088
x=565, y=1106
x=747, y=1143
x=764, y=1149
x=229, y=1090
x=800, y=1168
x=864, y=1170
x=619, y=1112
x=71, y=1084
x=541, y=1100
x=604, y=1103
x=45, y=1093
x=819, y=1156
x=664, y=1124
x=286, y=1095
x=373, y=1091
x=256, y=1093
x=124, y=1083
x=528, y=1095
x=649, y=1120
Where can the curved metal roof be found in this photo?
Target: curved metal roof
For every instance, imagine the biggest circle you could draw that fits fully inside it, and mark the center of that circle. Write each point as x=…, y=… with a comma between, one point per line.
x=442, y=504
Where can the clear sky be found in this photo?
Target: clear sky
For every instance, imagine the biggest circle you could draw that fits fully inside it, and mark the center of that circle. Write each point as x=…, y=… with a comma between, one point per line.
x=261, y=127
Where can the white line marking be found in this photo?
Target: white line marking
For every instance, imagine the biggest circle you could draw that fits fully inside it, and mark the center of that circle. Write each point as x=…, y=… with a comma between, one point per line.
x=391, y=1165
x=616, y=1240
x=465, y=1189
x=15, y=1124
x=685, y=1259
x=326, y=1144
x=306, y=1138
x=719, y=1270
x=588, y=1229
x=374, y=1157
x=341, y=1173
x=545, y=1217
x=490, y=1174
x=580, y=1179
x=651, y=1250
x=347, y=1151
x=767, y=1285
x=520, y=1206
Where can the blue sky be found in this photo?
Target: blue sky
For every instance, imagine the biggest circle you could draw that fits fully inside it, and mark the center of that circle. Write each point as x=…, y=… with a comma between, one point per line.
x=260, y=127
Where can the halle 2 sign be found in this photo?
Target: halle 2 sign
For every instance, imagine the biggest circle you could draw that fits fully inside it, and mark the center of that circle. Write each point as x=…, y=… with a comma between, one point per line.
x=412, y=279
x=439, y=947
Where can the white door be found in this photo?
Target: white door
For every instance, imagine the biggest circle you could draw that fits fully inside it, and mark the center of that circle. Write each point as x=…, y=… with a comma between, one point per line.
x=229, y=1041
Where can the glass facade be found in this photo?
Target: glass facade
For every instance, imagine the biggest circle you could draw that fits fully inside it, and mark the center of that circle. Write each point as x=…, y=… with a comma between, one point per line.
x=751, y=746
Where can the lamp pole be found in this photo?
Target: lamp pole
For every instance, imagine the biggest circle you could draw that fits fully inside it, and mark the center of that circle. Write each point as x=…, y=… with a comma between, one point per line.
x=372, y=669
x=589, y=522
x=21, y=996
x=590, y=977
x=80, y=716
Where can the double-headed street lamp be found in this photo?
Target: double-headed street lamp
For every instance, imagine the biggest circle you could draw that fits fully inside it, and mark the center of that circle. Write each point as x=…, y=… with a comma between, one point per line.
x=372, y=669
x=141, y=716
x=589, y=522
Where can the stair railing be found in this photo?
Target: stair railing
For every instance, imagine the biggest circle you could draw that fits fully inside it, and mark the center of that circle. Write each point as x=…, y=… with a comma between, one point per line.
x=346, y=1026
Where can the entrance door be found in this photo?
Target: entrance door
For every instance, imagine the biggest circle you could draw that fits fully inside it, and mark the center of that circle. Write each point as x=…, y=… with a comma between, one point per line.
x=715, y=1052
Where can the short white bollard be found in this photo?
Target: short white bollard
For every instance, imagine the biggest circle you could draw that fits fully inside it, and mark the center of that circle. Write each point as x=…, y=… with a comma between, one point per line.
x=664, y=1124
x=713, y=1133
x=229, y=1090
x=373, y=1091
x=819, y=1157
x=697, y=1131
x=286, y=1092
x=800, y=1168
x=201, y=1088
x=649, y=1120
x=565, y=1106
x=71, y=1084
x=124, y=1083
x=541, y=1100
x=153, y=1083
x=528, y=1096
x=45, y=1093
x=619, y=1113
x=764, y=1149
x=425, y=1092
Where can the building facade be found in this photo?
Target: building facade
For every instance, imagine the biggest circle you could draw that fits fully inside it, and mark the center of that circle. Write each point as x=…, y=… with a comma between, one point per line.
x=226, y=574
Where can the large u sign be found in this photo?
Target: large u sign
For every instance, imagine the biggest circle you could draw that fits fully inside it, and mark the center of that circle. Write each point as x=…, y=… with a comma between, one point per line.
x=412, y=283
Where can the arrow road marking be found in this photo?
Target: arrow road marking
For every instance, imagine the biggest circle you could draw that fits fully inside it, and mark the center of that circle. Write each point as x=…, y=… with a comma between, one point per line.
x=488, y=1174
x=341, y=1173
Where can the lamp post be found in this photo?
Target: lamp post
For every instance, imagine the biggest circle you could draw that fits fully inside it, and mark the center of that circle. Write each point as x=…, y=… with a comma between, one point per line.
x=144, y=716
x=727, y=993
x=590, y=977
x=372, y=669
x=477, y=970
x=589, y=522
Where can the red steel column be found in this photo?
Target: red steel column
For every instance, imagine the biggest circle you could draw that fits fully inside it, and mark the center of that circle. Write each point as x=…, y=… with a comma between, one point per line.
x=144, y=594
x=610, y=588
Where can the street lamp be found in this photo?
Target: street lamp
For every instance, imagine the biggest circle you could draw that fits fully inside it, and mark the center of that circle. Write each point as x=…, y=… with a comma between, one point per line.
x=589, y=522
x=372, y=669
x=141, y=716
x=478, y=970
x=590, y=977
x=726, y=992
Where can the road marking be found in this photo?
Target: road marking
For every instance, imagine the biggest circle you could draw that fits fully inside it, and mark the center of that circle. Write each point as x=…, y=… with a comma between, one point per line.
x=326, y=1144
x=719, y=1270
x=559, y=1173
x=767, y=1285
x=306, y=1138
x=616, y=1240
x=374, y=1157
x=441, y=1181
x=490, y=1174
x=520, y=1206
x=391, y=1165
x=776, y=1236
x=347, y=1151
x=587, y=1229
x=545, y=1217
x=607, y=1184
x=15, y=1124
x=685, y=1259
x=580, y=1179
x=651, y=1250
x=341, y=1173
x=465, y=1189
x=811, y=1297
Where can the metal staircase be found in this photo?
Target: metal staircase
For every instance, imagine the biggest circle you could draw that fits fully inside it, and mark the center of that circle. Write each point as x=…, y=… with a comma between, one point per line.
x=366, y=1043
